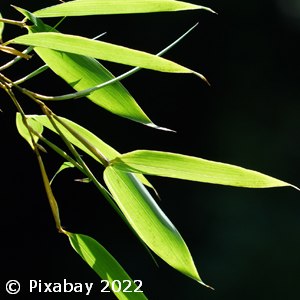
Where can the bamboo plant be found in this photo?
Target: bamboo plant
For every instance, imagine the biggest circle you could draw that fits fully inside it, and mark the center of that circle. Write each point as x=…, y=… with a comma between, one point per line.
x=76, y=60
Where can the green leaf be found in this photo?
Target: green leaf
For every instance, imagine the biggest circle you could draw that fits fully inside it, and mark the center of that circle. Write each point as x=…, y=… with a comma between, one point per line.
x=65, y=165
x=85, y=72
x=101, y=50
x=1, y=28
x=104, y=264
x=104, y=148
x=192, y=168
x=149, y=221
x=23, y=131
x=96, y=7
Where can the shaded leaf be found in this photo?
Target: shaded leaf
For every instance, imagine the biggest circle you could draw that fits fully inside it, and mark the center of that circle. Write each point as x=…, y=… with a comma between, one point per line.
x=23, y=131
x=193, y=168
x=105, y=7
x=104, y=264
x=149, y=221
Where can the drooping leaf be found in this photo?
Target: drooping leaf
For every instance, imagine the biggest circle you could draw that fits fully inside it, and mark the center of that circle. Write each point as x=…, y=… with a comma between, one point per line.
x=192, y=168
x=83, y=72
x=101, y=50
x=23, y=131
x=104, y=148
x=105, y=265
x=65, y=165
x=149, y=221
x=105, y=7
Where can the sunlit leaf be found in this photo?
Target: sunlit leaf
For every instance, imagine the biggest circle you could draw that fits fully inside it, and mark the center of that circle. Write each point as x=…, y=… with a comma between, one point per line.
x=101, y=50
x=149, y=221
x=105, y=265
x=104, y=148
x=193, y=168
x=23, y=131
x=1, y=27
x=83, y=72
x=96, y=7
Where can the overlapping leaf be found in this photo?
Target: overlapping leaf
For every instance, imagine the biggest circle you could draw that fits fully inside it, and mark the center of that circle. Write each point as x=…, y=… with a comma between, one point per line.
x=193, y=168
x=149, y=221
x=23, y=130
x=96, y=7
x=104, y=264
x=83, y=72
x=109, y=152
x=101, y=50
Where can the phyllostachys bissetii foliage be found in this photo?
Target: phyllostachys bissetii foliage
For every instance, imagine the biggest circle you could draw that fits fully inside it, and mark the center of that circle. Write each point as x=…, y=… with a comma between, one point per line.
x=75, y=59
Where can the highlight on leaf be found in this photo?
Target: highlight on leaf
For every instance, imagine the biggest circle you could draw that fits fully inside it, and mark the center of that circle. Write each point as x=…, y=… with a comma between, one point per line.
x=107, y=7
x=149, y=221
x=193, y=168
x=101, y=50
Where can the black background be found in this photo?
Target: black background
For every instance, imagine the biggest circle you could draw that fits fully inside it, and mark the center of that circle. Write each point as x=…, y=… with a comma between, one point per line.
x=245, y=242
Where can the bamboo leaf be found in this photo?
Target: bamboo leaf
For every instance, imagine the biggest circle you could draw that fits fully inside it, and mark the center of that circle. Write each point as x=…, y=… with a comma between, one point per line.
x=83, y=72
x=101, y=50
x=23, y=130
x=149, y=221
x=104, y=148
x=96, y=7
x=1, y=28
x=192, y=168
x=65, y=165
x=104, y=264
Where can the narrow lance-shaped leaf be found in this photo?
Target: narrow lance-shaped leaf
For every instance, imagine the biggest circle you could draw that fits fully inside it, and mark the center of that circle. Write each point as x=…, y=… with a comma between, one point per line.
x=105, y=265
x=64, y=166
x=105, y=7
x=149, y=221
x=1, y=28
x=104, y=148
x=23, y=130
x=83, y=72
x=192, y=168
x=101, y=50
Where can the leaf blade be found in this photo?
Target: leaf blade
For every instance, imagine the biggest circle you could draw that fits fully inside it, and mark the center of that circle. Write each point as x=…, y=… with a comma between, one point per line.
x=1, y=28
x=85, y=72
x=101, y=50
x=103, y=147
x=64, y=166
x=103, y=263
x=23, y=130
x=149, y=221
x=185, y=167
x=95, y=7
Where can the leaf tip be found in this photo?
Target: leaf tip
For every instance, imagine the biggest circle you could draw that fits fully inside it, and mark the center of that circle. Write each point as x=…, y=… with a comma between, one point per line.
x=206, y=285
x=152, y=125
x=295, y=187
x=202, y=77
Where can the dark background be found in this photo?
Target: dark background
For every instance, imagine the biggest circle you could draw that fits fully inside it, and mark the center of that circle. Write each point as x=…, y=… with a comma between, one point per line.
x=245, y=242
